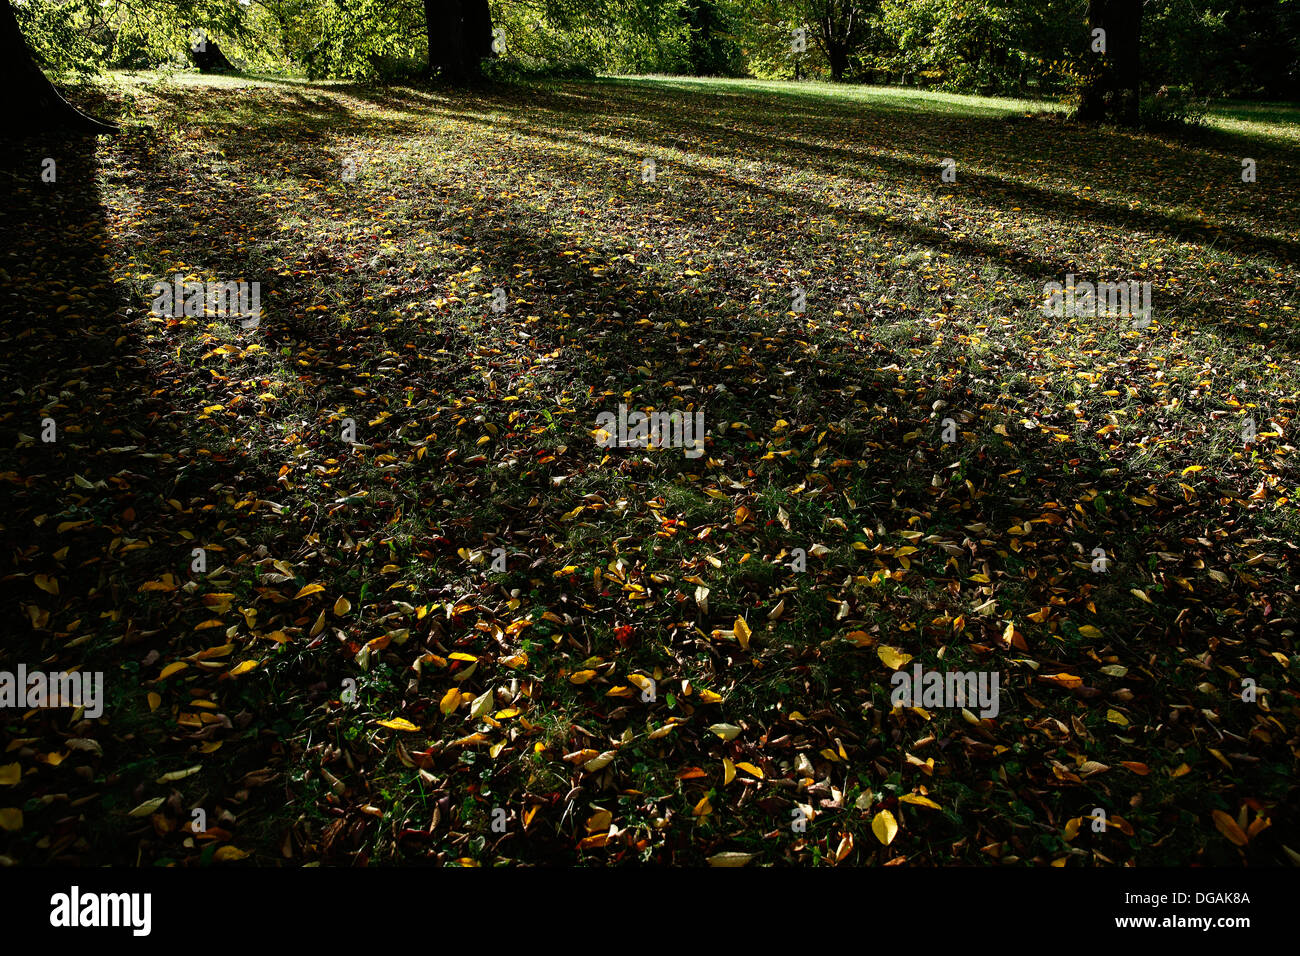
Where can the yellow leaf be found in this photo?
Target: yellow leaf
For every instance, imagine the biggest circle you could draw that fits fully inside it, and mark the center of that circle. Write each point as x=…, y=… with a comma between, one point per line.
x=919, y=800
x=581, y=677
x=728, y=771
x=219, y=602
x=342, y=606
x=1089, y=631
x=400, y=723
x=243, y=668
x=885, y=827
x=10, y=774
x=171, y=669
x=750, y=769
x=11, y=818
x=642, y=682
x=47, y=584
x=725, y=731
x=703, y=808
x=179, y=774
x=309, y=590
x=1229, y=828
x=892, y=656
x=742, y=632
x=450, y=701
x=229, y=854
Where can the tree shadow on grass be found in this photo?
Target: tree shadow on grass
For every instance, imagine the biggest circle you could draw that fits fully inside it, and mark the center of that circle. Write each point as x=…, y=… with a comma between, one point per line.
x=837, y=139
x=1220, y=315
x=79, y=370
x=860, y=421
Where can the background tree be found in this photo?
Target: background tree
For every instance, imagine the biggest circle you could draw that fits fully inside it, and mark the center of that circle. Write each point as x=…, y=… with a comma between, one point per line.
x=1158, y=53
x=1112, y=90
x=840, y=28
x=714, y=49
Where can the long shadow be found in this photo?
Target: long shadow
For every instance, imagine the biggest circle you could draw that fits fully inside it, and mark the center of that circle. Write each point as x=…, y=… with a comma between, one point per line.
x=898, y=472
x=88, y=443
x=1061, y=148
x=1036, y=270
x=624, y=320
x=625, y=345
x=117, y=496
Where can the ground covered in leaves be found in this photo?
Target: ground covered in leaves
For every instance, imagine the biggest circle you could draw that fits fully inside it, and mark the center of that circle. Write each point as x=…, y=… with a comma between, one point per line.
x=474, y=635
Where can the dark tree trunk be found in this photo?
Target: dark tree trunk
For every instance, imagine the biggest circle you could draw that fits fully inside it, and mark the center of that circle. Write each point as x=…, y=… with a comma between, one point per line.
x=210, y=59
x=838, y=31
x=460, y=37
x=30, y=103
x=477, y=30
x=442, y=23
x=839, y=61
x=1112, y=89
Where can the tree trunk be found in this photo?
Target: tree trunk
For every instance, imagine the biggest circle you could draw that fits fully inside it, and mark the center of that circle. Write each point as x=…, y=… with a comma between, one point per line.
x=460, y=37
x=30, y=102
x=1112, y=89
x=209, y=58
x=839, y=60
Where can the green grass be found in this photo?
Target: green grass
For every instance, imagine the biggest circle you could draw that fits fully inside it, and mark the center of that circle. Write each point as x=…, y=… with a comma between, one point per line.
x=475, y=432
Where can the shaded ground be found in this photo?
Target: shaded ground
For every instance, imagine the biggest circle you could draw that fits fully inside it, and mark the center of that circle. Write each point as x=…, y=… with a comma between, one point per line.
x=370, y=566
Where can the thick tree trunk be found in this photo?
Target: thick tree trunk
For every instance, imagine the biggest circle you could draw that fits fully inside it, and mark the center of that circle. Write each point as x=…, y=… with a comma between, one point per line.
x=460, y=37
x=30, y=103
x=209, y=58
x=839, y=61
x=1112, y=91
x=442, y=24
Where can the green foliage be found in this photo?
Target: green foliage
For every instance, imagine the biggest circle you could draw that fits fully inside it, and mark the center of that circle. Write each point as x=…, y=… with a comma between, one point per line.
x=992, y=46
x=1245, y=48
x=713, y=45
x=1224, y=47
x=64, y=38
x=766, y=39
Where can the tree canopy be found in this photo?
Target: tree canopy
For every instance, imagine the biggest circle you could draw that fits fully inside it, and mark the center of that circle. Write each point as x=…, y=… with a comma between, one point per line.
x=1201, y=47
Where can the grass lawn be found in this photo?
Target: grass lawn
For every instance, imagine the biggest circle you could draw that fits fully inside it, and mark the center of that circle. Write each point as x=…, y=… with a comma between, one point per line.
x=472, y=634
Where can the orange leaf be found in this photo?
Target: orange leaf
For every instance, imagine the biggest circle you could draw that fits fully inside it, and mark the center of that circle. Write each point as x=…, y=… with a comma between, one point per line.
x=1229, y=828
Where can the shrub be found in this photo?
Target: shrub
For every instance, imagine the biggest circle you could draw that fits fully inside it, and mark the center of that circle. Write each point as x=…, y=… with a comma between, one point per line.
x=1173, y=106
